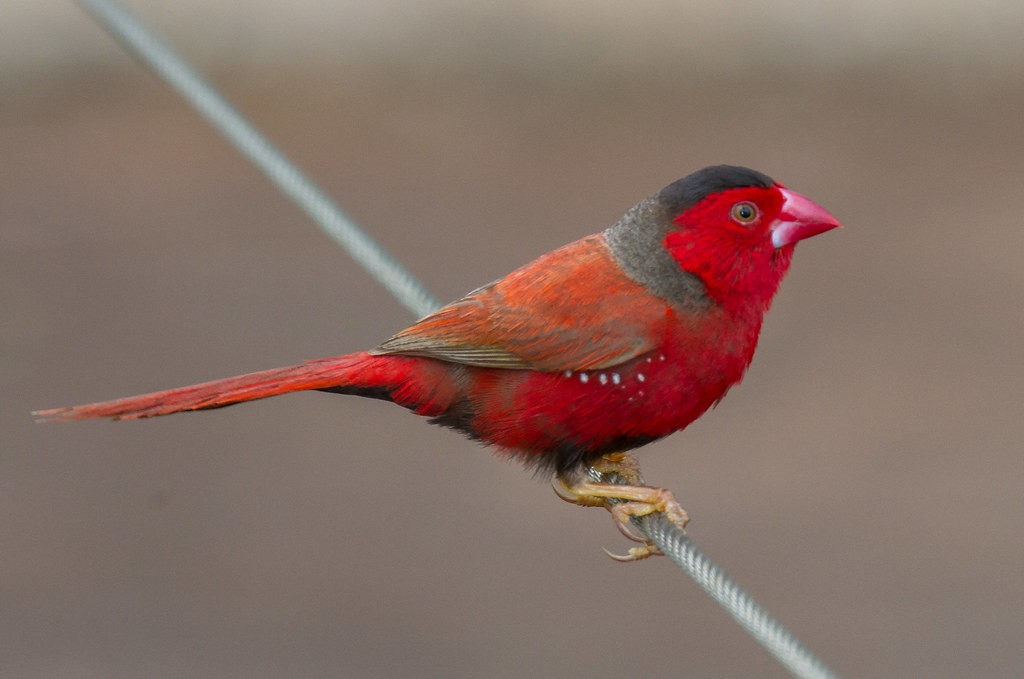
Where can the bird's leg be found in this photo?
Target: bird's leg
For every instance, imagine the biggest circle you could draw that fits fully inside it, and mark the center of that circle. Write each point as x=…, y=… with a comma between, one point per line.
x=625, y=501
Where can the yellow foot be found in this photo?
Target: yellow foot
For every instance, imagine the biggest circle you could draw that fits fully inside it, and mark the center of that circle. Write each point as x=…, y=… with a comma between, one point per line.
x=636, y=553
x=625, y=501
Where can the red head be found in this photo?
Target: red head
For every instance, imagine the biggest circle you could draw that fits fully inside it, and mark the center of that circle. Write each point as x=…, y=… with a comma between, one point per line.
x=722, y=235
x=736, y=229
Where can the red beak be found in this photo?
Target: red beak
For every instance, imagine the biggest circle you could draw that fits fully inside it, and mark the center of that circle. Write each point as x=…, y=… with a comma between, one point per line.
x=800, y=218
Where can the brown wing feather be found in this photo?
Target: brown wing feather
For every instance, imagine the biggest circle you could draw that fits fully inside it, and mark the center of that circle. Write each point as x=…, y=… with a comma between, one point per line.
x=571, y=309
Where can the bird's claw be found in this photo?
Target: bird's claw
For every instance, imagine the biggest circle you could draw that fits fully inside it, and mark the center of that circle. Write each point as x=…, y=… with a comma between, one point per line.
x=635, y=553
x=625, y=501
x=629, y=530
x=569, y=494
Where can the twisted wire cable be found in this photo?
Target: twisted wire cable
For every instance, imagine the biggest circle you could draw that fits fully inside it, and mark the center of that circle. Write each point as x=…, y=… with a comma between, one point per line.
x=253, y=145
x=671, y=539
x=759, y=623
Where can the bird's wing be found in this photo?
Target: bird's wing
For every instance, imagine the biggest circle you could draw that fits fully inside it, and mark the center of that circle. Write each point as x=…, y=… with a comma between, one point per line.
x=571, y=309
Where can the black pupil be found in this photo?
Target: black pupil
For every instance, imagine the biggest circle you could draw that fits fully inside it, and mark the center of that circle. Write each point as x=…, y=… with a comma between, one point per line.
x=745, y=212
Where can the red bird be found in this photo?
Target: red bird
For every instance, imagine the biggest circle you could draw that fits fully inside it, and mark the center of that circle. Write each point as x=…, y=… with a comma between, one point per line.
x=589, y=351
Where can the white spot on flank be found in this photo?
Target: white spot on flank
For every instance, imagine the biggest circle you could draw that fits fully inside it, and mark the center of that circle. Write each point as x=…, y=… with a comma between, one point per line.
x=661, y=357
x=603, y=378
x=615, y=378
x=568, y=373
x=640, y=377
x=649, y=359
x=584, y=377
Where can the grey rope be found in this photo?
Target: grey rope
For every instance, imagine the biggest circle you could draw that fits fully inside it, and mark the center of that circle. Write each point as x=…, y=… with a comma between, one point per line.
x=761, y=625
x=254, y=146
x=672, y=540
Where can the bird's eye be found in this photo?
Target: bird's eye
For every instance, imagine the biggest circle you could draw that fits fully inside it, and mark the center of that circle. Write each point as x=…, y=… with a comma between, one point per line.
x=744, y=213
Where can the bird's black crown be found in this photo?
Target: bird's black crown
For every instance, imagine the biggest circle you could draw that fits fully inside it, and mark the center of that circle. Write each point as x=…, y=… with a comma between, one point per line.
x=695, y=187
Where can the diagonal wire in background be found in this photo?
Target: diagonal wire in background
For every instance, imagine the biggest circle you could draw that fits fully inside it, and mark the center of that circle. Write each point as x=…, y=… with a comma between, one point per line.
x=254, y=146
x=673, y=541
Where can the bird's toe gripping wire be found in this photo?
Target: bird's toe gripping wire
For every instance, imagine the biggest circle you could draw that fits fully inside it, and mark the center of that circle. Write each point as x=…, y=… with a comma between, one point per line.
x=627, y=498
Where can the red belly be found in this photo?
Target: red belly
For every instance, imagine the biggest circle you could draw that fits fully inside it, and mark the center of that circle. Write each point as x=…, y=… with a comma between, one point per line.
x=597, y=410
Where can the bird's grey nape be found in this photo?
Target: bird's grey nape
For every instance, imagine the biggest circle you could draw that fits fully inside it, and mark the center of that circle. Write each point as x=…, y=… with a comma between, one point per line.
x=637, y=243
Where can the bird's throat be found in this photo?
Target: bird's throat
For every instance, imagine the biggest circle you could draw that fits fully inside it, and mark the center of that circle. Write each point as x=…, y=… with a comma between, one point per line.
x=742, y=278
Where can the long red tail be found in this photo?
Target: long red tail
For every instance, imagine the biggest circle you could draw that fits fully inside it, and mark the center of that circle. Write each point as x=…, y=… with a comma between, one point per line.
x=352, y=373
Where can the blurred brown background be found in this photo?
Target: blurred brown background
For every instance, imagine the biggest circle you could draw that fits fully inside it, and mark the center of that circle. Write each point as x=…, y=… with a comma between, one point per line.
x=864, y=482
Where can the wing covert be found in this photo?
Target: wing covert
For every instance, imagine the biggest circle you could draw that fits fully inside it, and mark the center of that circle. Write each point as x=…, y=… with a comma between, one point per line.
x=571, y=309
